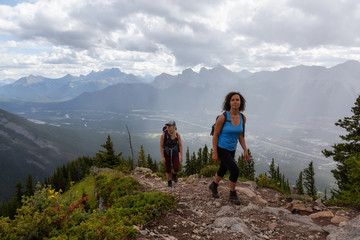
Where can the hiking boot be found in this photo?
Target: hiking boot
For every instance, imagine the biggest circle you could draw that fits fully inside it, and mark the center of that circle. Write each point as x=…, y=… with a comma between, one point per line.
x=175, y=178
x=169, y=183
x=213, y=187
x=233, y=198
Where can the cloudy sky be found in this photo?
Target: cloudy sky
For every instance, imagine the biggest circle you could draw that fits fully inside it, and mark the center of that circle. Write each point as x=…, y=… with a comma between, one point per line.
x=53, y=38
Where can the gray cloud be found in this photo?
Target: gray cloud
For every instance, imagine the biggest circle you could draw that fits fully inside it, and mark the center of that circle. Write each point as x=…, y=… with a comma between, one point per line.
x=203, y=32
x=307, y=24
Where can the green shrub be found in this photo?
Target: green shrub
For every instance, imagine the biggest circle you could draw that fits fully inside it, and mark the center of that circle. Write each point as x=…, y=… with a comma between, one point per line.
x=264, y=181
x=209, y=170
x=111, y=186
x=49, y=215
x=43, y=216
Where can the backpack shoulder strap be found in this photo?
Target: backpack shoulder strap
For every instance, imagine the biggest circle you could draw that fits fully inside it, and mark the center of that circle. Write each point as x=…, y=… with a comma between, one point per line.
x=242, y=115
x=225, y=115
x=166, y=136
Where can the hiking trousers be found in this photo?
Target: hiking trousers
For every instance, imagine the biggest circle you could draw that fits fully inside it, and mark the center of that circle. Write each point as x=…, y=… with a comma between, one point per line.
x=172, y=160
x=227, y=162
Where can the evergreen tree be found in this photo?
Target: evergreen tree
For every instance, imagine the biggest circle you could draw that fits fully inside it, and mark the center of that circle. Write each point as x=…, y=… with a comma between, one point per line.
x=210, y=158
x=66, y=176
x=299, y=184
x=193, y=169
x=142, y=158
x=149, y=161
x=287, y=186
x=342, y=151
x=19, y=193
x=151, y=164
x=75, y=171
x=107, y=158
x=277, y=174
x=250, y=167
x=325, y=194
x=282, y=181
x=351, y=192
x=155, y=167
x=199, y=161
x=129, y=162
x=29, y=186
x=58, y=180
x=309, y=180
x=272, y=170
x=205, y=156
x=188, y=163
x=242, y=167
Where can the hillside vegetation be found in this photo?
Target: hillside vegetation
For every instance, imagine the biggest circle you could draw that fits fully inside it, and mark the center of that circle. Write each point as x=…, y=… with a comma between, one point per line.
x=49, y=214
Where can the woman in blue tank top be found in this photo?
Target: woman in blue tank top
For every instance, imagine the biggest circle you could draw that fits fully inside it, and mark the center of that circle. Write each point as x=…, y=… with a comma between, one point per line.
x=226, y=134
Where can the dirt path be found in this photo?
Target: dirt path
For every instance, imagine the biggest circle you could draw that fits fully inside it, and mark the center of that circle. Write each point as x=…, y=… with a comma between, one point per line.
x=263, y=214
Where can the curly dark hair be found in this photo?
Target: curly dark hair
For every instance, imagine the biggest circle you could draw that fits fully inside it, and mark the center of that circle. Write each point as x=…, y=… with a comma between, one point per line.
x=226, y=105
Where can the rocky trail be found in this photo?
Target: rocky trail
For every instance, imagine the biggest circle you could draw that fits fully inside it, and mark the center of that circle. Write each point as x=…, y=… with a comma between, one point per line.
x=263, y=214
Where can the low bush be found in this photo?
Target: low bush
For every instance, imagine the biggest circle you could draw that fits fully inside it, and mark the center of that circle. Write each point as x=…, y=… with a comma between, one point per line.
x=209, y=170
x=264, y=181
x=49, y=215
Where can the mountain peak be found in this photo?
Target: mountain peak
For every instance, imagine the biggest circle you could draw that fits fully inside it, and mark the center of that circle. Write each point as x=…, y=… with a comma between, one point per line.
x=29, y=80
x=187, y=71
x=348, y=65
x=203, y=70
x=219, y=66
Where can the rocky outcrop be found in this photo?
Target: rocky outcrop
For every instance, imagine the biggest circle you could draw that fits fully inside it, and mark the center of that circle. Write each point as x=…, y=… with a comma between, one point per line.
x=351, y=230
x=263, y=214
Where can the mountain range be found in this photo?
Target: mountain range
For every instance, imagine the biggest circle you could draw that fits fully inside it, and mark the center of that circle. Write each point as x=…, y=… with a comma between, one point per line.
x=42, y=89
x=290, y=93
x=301, y=92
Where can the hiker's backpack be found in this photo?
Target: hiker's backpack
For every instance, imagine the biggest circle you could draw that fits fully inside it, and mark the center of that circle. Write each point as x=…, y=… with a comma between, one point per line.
x=171, y=147
x=226, y=120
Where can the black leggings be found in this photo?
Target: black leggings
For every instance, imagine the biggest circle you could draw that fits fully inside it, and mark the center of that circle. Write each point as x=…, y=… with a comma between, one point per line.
x=227, y=162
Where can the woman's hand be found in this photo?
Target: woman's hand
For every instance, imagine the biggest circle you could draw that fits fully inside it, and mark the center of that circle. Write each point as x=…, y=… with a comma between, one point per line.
x=163, y=159
x=215, y=156
x=181, y=159
x=246, y=156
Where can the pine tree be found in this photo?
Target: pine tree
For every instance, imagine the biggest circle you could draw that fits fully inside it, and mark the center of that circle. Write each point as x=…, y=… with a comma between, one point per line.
x=250, y=167
x=19, y=193
x=155, y=167
x=193, y=169
x=342, y=151
x=277, y=174
x=272, y=170
x=309, y=180
x=151, y=164
x=282, y=181
x=242, y=167
x=299, y=184
x=29, y=186
x=325, y=195
x=142, y=158
x=107, y=158
x=199, y=161
x=287, y=186
x=205, y=156
x=351, y=192
x=188, y=163
x=211, y=162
